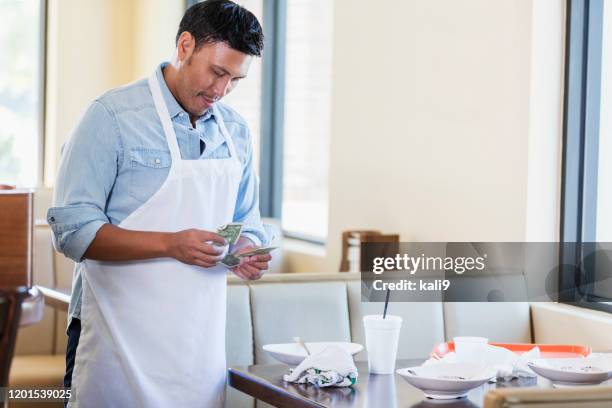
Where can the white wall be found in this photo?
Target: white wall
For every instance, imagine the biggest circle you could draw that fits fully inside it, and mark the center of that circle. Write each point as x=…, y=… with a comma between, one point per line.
x=156, y=23
x=431, y=119
x=545, y=121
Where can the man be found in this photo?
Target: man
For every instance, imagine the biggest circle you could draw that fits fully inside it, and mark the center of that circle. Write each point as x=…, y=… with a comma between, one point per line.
x=151, y=169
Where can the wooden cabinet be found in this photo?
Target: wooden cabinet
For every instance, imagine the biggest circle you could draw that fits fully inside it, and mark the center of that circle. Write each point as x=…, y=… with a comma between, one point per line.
x=16, y=219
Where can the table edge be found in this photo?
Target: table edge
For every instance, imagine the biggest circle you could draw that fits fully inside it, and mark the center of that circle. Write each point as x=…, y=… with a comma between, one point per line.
x=238, y=379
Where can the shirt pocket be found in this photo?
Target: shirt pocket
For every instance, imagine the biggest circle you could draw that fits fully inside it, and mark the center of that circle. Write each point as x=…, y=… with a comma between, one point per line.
x=220, y=152
x=148, y=171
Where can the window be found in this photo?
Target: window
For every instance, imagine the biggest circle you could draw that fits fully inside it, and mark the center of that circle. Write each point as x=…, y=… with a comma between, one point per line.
x=307, y=114
x=587, y=154
x=21, y=91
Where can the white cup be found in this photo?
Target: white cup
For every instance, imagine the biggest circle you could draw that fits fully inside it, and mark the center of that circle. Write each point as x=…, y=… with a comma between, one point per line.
x=471, y=349
x=382, y=337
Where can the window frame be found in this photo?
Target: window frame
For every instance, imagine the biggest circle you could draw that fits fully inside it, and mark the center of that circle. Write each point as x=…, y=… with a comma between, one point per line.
x=272, y=110
x=42, y=92
x=584, y=36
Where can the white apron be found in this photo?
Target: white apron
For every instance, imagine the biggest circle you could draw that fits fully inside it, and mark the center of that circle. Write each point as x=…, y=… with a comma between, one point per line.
x=153, y=332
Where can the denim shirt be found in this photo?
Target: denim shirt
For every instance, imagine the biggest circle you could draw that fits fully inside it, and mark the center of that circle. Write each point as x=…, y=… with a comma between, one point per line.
x=117, y=157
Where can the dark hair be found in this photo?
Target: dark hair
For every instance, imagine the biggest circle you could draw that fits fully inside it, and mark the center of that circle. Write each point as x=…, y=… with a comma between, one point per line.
x=214, y=21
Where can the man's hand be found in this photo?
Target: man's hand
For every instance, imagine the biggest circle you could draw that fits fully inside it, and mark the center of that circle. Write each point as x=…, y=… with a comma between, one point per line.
x=192, y=247
x=252, y=267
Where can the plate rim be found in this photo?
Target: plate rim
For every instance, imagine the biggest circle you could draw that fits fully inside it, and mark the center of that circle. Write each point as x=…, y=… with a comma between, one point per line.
x=483, y=379
x=573, y=374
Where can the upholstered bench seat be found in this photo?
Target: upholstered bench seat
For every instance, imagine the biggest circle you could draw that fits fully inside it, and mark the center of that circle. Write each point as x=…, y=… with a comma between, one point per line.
x=37, y=371
x=44, y=370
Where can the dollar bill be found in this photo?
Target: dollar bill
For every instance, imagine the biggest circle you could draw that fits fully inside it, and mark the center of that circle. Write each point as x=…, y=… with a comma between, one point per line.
x=230, y=260
x=230, y=232
x=256, y=251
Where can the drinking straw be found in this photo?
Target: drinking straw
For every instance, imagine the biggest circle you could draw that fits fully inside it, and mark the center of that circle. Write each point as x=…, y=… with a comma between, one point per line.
x=386, y=303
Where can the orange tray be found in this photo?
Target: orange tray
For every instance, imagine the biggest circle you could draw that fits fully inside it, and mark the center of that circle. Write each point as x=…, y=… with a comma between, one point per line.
x=546, y=350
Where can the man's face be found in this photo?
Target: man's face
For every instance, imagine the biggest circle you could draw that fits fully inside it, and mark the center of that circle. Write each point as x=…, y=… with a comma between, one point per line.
x=207, y=74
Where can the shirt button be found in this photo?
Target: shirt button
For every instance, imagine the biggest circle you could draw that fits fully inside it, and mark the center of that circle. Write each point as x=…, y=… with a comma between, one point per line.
x=157, y=161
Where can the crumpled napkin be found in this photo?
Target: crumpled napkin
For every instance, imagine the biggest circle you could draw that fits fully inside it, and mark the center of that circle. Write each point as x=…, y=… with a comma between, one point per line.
x=332, y=367
x=507, y=364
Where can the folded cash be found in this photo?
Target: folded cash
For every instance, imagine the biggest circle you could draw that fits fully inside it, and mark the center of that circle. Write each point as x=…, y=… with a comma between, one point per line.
x=230, y=260
x=231, y=232
x=256, y=251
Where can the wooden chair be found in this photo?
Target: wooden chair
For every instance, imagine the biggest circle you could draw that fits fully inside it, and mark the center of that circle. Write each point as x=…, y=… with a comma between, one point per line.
x=10, y=315
x=366, y=236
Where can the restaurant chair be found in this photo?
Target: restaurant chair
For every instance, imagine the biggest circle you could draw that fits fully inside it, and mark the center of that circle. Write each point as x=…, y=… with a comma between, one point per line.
x=583, y=397
x=10, y=315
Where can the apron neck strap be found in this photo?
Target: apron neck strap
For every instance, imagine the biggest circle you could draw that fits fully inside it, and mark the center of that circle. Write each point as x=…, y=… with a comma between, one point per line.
x=224, y=131
x=164, y=116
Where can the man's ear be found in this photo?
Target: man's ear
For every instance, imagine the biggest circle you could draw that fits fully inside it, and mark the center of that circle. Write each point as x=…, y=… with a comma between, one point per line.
x=185, y=46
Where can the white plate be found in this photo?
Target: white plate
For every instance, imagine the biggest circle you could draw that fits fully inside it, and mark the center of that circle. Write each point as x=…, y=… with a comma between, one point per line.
x=447, y=380
x=293, y=353
x=573, y=371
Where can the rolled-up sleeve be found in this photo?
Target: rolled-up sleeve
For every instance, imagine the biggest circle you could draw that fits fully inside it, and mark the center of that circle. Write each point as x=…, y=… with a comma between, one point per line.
x=247, y=204
x=87, y=172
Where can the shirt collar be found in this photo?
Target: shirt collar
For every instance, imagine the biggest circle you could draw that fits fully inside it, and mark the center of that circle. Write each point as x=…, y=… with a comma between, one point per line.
x=174, y=108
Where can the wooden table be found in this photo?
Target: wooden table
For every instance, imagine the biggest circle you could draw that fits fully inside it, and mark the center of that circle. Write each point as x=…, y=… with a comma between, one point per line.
x=264, y=382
